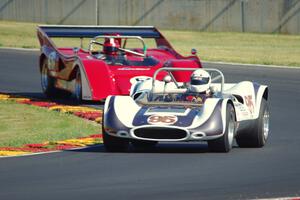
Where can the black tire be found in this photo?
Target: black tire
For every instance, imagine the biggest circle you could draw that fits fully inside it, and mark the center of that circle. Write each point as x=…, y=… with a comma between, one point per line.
x=258, y=135
x=78, y=87
x=224, y=143
x=114, y=144
x=47, y=81
x=143, y=145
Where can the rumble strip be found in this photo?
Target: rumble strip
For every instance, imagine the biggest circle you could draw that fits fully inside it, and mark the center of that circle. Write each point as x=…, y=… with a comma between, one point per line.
x=80, y=111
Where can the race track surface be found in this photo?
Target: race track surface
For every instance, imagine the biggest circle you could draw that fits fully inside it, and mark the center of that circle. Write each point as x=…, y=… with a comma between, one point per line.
x=172, y=171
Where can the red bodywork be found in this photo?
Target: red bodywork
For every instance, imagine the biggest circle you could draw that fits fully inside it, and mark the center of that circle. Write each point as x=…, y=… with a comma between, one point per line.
x=101, y=78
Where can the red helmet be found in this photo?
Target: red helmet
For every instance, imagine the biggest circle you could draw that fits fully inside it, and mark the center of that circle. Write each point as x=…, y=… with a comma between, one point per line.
x=111, y=45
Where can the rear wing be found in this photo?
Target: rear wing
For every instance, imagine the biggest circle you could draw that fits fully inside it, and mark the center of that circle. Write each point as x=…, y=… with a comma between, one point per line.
x=46, y=32
x=93, y=31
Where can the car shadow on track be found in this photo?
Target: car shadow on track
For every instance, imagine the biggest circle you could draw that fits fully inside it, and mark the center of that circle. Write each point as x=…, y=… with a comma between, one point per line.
x=160, y=148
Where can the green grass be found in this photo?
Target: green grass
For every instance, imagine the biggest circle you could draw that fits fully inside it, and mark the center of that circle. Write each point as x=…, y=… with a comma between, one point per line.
x=255, y=48
x=240, y=47
x=16, y=34
x=24, y=124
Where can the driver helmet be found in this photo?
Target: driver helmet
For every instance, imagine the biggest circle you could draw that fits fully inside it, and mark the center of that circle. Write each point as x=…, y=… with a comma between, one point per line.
x=110, y=46
x=200, y=81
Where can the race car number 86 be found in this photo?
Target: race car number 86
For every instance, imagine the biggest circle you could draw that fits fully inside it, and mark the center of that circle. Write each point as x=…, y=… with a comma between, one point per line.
x=158, y=119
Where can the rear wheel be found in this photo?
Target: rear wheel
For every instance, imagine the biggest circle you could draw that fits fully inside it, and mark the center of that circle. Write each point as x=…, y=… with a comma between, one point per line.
x=258, y=135
x=47, y=81
x=78, y=87
x=224, y=143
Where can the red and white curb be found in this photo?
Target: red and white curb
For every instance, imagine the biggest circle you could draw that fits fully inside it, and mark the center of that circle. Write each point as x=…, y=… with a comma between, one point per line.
x=87, y=113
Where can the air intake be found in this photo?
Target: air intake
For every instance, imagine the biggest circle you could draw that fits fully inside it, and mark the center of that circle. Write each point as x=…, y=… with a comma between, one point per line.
x=160, y=133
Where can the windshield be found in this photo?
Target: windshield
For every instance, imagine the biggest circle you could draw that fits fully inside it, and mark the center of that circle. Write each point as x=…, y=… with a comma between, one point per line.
x=176, y=99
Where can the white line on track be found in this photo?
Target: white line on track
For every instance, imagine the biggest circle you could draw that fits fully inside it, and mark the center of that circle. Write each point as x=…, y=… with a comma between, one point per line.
x=281, y=198
x=250, y=65
x=18, y=49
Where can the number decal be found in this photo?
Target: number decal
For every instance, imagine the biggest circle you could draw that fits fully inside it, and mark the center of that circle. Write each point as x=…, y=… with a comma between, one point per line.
x=249, y=103
x=159, y=119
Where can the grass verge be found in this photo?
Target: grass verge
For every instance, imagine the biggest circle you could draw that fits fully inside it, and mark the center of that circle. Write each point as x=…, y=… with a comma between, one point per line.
x=24, y=124
x=254, y=48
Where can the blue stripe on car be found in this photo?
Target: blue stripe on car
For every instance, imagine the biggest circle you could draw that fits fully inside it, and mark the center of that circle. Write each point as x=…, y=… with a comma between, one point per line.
x=183, y=121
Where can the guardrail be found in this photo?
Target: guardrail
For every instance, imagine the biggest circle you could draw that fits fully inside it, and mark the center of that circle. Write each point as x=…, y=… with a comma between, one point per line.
x=267, y=16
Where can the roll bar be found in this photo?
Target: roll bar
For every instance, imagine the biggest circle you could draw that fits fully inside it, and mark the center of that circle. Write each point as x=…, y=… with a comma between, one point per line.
x=170, y=69
x=94, y=40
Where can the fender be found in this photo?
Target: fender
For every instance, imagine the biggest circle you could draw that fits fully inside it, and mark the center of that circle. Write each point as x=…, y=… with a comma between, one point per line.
x=207, y=111
x=214, y=119
x=225, y=102
x=96, y=75
x=87, y=92
x=106, y=104
x=262, y=92
x=117, y=113
x=113, y=124
x=123, y=105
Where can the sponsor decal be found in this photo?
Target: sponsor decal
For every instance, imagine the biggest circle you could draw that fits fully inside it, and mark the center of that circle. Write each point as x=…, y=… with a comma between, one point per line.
x=162, y=119
x=249, y=103
x=241, y=109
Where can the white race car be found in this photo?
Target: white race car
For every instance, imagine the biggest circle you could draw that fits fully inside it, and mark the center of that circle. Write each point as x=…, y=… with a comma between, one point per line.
x=168, y=111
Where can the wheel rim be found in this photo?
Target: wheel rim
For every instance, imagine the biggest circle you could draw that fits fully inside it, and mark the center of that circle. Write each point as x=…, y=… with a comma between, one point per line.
x=45, y=78
x=266, y=119
x=230, y=131
x=78, y=87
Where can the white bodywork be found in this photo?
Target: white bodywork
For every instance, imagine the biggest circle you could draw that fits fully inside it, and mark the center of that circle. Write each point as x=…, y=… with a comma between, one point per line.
x=245, y=97
x=244, y=111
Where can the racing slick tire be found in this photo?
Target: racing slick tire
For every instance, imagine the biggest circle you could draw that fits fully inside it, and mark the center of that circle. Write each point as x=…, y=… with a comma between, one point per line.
x=258, y=135
x=48, y=82
x=114, y=144
x=224, y=143
x=141, y=145
x=78, y=87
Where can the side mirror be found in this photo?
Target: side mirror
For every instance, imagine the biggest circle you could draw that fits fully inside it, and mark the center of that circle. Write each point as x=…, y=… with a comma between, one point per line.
x=193, y=51
x=76, y=50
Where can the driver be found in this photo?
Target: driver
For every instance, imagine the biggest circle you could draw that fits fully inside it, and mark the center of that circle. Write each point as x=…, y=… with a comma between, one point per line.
x=199, y=87
x=111, y=45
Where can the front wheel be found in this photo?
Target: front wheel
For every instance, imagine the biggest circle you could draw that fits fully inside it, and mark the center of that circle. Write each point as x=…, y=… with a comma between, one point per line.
x=224, y=143
x=143, y=145
x=114, y=144
x=256, y=137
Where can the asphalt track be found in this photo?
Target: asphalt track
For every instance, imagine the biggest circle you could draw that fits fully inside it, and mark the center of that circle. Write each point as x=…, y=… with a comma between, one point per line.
x=172, y=171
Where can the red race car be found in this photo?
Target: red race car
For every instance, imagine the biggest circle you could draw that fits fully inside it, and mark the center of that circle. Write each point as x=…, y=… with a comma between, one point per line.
x=112, y=57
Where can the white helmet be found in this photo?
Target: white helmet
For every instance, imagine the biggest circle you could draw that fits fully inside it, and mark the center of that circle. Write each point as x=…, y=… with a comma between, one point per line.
x=200, y=81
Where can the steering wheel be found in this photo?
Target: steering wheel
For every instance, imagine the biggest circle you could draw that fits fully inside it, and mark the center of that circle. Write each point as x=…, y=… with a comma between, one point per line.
x=118, y=48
